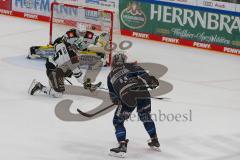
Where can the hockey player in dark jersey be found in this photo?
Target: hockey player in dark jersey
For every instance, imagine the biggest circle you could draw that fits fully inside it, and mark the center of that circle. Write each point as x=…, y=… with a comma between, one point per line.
x=128, y=86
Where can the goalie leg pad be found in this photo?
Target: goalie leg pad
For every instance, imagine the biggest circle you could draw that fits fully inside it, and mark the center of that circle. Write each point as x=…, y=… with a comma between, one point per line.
x=41, y=52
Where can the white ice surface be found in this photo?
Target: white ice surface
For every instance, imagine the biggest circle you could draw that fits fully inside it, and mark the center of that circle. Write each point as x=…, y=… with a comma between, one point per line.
x=205, y=82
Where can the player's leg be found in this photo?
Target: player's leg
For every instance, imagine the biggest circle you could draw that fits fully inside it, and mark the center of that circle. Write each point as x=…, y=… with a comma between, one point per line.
x=55, y=76
x=122, y=113
x=118, y=123
x=144, y=110
x=56, y=84
x=37, y=87
x=56, y=80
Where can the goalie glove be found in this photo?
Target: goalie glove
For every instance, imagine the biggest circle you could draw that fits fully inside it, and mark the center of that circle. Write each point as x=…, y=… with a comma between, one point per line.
x=87, y=84
x=115, y=101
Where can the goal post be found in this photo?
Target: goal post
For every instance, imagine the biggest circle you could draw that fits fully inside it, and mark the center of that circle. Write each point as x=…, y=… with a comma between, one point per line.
x=67, y=16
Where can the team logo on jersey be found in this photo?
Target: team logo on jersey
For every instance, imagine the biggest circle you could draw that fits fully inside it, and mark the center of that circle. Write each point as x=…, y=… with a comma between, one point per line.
x=133, y=17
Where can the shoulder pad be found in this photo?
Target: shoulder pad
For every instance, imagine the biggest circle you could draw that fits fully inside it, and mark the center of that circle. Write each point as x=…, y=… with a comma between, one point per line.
x=89, y=35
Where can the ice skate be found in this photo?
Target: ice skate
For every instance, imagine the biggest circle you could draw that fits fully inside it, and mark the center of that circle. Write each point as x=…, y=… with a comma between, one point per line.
x=120, y=151
x=154, y=144
x=34, y=87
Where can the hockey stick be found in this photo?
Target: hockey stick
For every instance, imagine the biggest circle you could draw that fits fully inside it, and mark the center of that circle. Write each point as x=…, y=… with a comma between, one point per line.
x=68, y=81
x=102, y=110
x=158, y=98
x=96, y=113
x=103, y=88
x=91, y=89
x=161, y=98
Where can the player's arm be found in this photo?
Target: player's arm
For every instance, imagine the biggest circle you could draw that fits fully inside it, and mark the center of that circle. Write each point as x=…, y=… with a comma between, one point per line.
x=112, y=92
x=137, y=71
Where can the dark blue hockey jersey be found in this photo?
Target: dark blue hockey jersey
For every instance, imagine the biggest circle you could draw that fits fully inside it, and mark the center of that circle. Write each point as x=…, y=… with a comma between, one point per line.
x=124, y=82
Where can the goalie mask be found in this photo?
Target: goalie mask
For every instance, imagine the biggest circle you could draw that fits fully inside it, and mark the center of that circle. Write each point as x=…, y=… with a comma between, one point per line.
x=119, y=59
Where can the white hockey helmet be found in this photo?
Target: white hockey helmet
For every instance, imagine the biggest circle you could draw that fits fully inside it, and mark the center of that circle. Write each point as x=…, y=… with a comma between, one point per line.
x=119, y=58
x=82, y=29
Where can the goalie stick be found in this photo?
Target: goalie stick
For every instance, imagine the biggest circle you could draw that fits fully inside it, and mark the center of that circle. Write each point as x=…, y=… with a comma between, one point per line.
x=93, y=87
x=89, y=115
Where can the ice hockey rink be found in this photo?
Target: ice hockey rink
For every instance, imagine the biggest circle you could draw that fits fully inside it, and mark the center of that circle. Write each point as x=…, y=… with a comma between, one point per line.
x=205, y=83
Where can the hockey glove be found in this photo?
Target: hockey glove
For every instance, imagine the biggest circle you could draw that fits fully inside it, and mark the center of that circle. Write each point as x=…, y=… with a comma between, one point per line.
x=152, y=82
x=87, y=84
x=115, y=101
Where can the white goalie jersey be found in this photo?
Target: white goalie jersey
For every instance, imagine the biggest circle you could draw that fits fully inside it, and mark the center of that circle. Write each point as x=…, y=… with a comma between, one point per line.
x=90, y=46
x=87, y=40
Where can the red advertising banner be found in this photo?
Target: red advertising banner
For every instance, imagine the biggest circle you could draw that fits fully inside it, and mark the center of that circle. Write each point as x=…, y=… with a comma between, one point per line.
x=184, y=42
x=6, y=4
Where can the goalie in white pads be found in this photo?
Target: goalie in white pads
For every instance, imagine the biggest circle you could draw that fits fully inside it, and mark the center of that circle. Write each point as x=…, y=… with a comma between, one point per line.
x=64, y=63
x=89, y=44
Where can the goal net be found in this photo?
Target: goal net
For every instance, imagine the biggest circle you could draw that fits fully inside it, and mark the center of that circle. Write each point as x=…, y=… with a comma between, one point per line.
x=67, y=16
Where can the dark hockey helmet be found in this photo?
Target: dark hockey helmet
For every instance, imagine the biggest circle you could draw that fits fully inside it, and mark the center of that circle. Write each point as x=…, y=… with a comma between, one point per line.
x=119, y=59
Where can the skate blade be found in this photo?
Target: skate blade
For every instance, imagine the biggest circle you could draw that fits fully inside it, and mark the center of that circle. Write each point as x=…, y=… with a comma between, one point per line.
x=118, y=155
x=155, y=148
x=95, y=87
x=31, y=86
